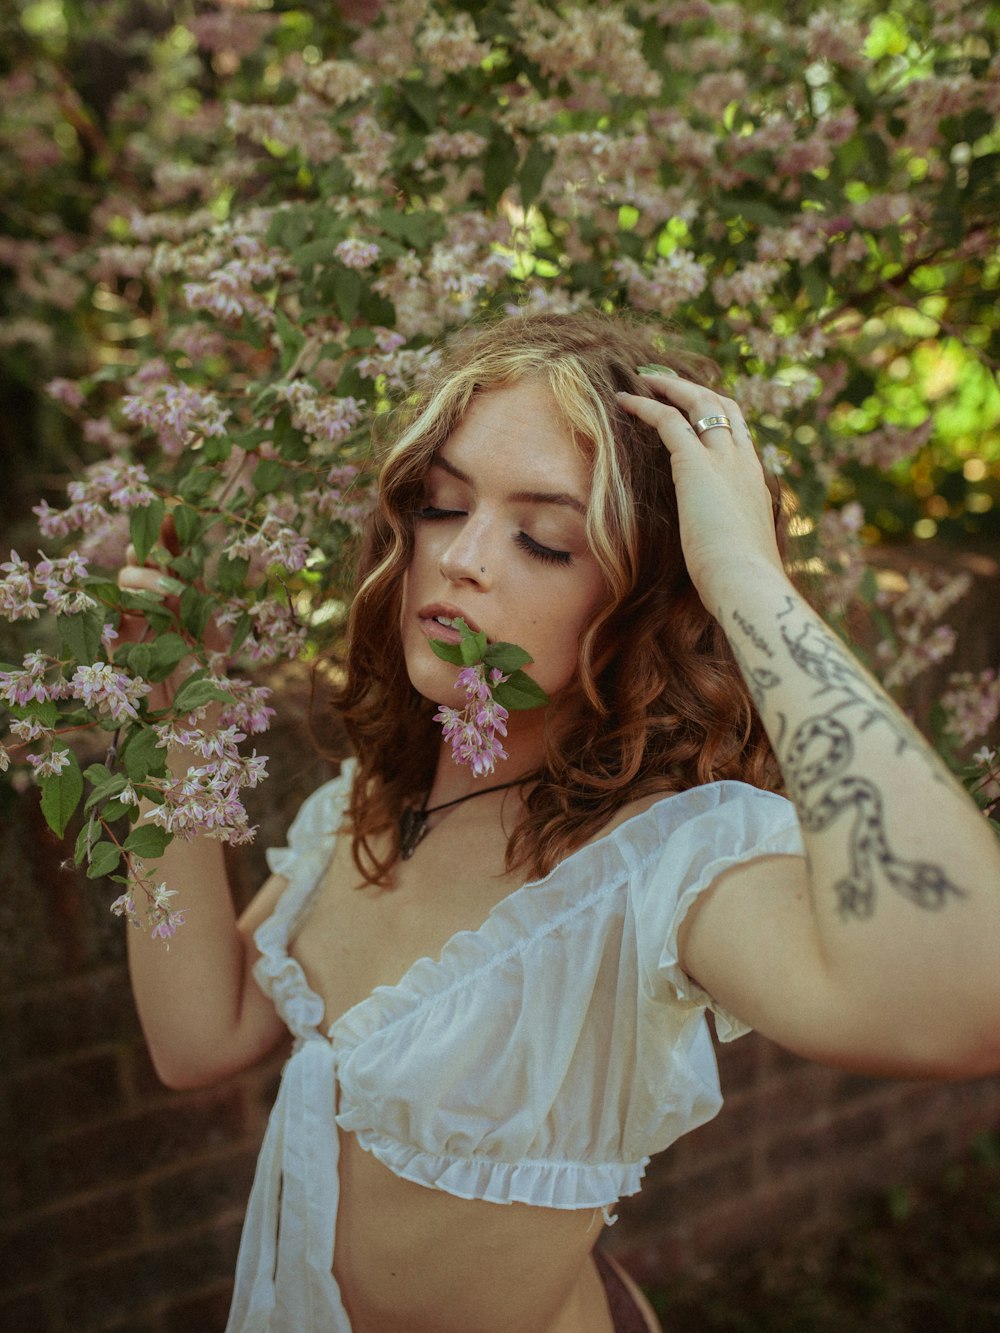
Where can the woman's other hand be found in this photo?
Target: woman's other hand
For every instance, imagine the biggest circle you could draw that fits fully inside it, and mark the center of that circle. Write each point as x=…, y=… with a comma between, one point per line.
x=727, y=511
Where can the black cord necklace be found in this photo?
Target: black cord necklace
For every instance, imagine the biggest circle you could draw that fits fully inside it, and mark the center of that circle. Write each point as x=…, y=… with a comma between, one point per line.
x=413, y=821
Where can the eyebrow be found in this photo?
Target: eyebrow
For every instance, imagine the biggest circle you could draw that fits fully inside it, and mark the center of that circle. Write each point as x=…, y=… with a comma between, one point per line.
x=520, y=497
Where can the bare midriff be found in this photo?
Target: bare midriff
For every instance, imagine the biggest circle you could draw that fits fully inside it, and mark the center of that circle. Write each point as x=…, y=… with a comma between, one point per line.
x=409, y=1259
x=415, y=1260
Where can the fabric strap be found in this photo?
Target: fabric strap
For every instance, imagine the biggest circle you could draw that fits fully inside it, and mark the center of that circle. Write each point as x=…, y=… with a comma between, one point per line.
x=284, y=1277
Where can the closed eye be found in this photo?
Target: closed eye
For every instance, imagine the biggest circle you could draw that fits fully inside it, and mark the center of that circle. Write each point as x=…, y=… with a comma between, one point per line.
x=429, y=513
x=540, y=552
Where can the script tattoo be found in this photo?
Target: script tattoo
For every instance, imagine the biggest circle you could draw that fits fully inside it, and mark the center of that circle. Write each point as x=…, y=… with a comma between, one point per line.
x=816, y=761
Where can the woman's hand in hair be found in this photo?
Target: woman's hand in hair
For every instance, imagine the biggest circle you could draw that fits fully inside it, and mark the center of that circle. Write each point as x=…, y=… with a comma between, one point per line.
x=726, y=509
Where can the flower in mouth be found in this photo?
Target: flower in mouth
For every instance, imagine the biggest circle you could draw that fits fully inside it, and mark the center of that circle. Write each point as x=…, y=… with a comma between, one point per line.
x=494, y=683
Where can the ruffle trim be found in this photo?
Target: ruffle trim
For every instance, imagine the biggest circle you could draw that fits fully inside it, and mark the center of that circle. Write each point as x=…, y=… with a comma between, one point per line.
x=311, y=838
x=562, y=1185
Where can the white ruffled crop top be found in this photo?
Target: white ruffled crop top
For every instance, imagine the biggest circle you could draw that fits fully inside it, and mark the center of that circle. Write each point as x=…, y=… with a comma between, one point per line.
x=541, y=1059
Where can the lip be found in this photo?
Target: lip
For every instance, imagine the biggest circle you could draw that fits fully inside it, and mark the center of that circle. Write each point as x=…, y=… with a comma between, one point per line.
x=429, y=625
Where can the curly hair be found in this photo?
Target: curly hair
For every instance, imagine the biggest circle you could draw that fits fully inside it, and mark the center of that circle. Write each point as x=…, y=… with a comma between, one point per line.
x=657, y=703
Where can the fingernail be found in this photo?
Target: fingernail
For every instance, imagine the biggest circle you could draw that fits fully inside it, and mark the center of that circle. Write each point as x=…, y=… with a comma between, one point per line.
x=656, y=370
x=172, y=586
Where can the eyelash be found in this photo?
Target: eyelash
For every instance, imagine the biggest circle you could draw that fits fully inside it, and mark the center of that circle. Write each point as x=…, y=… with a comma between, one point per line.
x=432, y=514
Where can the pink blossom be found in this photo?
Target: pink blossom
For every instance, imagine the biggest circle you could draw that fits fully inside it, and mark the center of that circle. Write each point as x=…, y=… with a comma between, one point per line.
x=473, y=732
x=109, y=692
x=175, y=413
x=48, y=765
x=67, y=392
x=354, y=253
x=972, y=702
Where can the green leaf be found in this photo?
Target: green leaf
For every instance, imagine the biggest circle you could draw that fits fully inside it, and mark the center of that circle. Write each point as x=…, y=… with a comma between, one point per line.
x=519, y=693
x=232, y=573
x=472, y=644
x=144, y=528
x=423, y=99
x=164, y=654
x=241, y=629
x=139, y=659
x=534, y=169
x=188, y=524
x=148, y=841
x=105, y=789
x=81, y=634
x=104, y=858
x=268, y=476
x=448, y=652
x=115, y=810
x=499, y=166
x=97, y=773
x=143, y=754
x=61, y=795
x=82, y=848
x=45, y=711
x=507, y=657
x=196, y=693
x=195, y=609
x=347, y=288
x=815, y=285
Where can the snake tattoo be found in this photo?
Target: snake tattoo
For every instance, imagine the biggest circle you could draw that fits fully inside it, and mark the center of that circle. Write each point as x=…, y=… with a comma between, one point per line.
x=816, y=760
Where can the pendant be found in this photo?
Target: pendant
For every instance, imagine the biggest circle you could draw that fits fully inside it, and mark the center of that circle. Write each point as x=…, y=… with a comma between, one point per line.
x=412, y=831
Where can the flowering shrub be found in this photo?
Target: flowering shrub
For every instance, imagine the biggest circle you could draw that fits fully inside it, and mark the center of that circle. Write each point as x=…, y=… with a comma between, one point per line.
x=248, y=245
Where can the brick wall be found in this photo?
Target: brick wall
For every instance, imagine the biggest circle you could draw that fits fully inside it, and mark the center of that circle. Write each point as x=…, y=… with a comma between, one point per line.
x=121, y=1202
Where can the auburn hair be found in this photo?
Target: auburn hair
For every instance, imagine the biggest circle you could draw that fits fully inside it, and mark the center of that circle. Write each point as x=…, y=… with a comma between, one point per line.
x=658, y=703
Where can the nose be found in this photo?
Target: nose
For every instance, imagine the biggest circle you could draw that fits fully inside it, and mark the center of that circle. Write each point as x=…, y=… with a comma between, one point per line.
x=465, y=559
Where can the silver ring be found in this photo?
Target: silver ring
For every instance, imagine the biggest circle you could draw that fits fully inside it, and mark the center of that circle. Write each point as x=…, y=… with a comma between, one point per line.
x=710, y=423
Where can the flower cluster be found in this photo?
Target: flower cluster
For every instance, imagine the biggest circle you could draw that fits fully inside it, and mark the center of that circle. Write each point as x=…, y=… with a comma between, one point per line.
x=473, y=732
x=55, y=580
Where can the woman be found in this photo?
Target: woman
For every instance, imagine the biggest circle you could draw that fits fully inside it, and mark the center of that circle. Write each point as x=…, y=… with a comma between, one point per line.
x=509, y=1019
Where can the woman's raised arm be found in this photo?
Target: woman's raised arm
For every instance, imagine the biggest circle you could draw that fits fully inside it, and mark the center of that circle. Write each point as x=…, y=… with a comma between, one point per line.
x=202, y=1013
x=883, y=953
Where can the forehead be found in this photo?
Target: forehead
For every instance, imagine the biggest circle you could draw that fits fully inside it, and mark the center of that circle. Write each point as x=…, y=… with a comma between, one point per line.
x=517, y=433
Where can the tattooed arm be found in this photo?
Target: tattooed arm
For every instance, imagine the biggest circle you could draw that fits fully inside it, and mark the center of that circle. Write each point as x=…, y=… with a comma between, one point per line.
x=882, y=952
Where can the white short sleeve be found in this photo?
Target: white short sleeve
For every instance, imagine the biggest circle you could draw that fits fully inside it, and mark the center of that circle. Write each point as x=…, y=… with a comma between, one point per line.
x=711, y=829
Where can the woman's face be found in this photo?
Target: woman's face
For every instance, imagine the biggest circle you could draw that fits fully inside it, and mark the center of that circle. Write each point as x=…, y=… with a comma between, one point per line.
x=500, y=540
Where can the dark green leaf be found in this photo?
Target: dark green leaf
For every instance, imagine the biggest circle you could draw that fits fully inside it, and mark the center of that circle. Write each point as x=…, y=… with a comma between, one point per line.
x=114, y=810
x=45, y=711
x=448, y=652
x=144, y=528
x=347, y=293
x=61, y=795
x=232, y=573
x=105, y=789
x=507, y=657
x=83, y=838
x=499, y=166
x=534, y=169
x=520, y=692
x=423, y=99
x=195, y=610
x=148, y=841
x=143, y=755
x=241, y=629
x=188, y=524
x=165, y=653
x=268, y=475
x=196, y=693
x=104, y=858
x=81, y=634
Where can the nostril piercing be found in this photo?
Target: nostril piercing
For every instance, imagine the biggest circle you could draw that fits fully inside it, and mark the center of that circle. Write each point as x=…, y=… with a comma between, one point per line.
x=482, y=569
